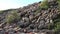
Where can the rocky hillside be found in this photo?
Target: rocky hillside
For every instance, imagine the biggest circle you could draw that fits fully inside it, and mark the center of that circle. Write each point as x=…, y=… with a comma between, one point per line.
x=42, y=17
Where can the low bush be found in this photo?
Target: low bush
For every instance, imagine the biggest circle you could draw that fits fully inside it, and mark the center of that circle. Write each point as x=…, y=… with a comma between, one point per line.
x=13, y=17
x=44, y=4
x=1, y=12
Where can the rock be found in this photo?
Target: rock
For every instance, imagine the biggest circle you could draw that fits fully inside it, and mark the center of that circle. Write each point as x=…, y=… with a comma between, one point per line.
x=23, y=25
x=30, y=30
x=24, y=22
x=32, y=26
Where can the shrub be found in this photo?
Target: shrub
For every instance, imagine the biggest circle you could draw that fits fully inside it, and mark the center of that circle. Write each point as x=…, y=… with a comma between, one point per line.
x=57, y=24
x=57, y=28
x=58, y=1
x=13, y=17
x=1, y=12
x=44, y=4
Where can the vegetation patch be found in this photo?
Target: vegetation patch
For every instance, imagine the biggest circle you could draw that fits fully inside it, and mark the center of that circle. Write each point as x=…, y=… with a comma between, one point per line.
x=13, y=17
x=44, y=4
x=1, y=12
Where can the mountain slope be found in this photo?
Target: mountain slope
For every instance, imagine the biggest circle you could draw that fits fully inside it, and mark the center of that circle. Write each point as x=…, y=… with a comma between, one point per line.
x=38, y=17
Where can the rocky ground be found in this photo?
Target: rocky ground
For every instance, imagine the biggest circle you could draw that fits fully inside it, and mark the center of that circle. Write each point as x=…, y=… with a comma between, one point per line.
x=31, y=22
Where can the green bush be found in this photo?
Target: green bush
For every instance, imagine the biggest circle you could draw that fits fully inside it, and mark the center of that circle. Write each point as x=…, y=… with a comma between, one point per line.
x=12, y=17
x=57, y=24
x=44, y=4
x=58, y=1
x=57, y=28
x=1, y=12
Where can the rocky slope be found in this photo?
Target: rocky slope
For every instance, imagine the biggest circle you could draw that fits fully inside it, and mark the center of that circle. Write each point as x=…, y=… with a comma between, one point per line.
x=33, y=19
